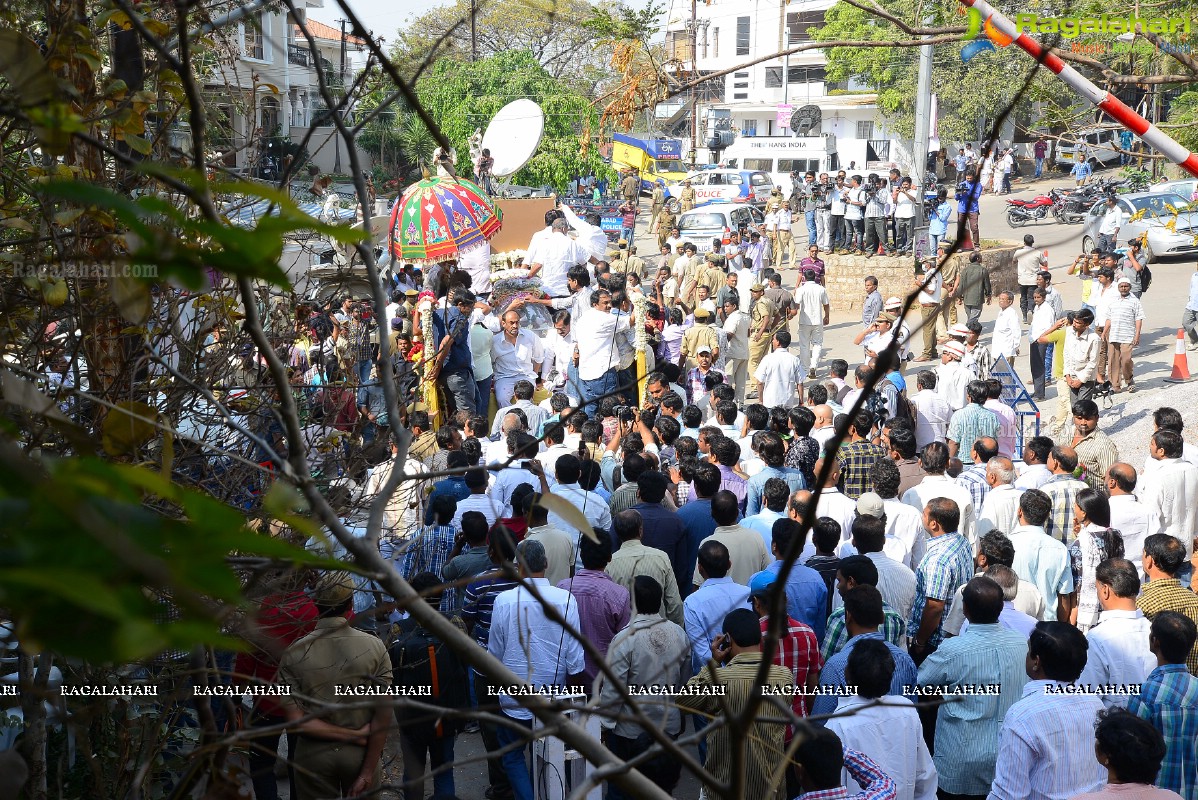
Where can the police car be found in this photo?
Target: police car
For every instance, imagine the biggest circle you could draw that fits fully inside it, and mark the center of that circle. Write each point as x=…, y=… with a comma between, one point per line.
x=722, y=186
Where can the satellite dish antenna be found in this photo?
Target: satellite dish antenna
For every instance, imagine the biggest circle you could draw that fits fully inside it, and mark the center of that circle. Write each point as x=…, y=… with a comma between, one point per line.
x=514, y=135
x=805, y=120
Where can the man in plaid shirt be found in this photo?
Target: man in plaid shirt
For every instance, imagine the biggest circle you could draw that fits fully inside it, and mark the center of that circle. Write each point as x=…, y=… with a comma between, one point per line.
x=360, y=348
x=1169, y=700
x=1164, y=556
x=797, y=649
x=1061, y=488
x=947, y=564
x=858, y=456
x=852, y=572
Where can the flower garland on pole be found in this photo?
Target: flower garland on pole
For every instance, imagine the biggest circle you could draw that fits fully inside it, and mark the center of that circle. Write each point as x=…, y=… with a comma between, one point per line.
x=428, y=389
x=640, y=306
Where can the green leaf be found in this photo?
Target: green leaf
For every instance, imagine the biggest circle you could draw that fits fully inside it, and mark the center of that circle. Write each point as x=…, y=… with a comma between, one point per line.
x=132, y=297
x=76, y=586
x=138, y=144
x=26, y=71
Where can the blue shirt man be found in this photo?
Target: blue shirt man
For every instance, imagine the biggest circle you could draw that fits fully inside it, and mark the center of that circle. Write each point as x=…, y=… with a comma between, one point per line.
x=806, y=592
x=968, y=194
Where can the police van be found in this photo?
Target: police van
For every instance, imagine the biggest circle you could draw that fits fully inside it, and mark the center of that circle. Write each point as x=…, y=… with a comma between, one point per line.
x=782, y=155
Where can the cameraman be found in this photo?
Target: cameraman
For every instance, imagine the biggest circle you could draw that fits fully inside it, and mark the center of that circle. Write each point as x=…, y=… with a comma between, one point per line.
x=823, y=212
x=969, y=191
x=854, y=216
x=875, y=216
x=811, y=201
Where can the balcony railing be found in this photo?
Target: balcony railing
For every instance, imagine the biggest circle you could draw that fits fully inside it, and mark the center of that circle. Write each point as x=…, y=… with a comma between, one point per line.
x=300, y=56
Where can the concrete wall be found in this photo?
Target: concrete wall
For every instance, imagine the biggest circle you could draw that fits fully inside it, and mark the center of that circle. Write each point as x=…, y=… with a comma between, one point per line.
x=845, y=279
x=321, y=147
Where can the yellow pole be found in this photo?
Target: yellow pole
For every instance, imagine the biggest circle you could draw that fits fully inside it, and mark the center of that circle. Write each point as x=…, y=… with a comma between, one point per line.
x=639, y=309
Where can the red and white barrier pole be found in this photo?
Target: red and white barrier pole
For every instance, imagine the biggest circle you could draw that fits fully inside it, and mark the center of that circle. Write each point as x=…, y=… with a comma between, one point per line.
x=1110, y=105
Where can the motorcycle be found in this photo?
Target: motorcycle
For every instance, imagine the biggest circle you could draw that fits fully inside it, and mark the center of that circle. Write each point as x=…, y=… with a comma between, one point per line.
x=1021, y=212
x=1071, y=205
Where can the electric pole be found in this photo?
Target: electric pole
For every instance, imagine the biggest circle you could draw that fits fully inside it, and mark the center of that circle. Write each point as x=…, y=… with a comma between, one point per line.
x=473, y=31
x=923, y=129
x=340, y=105
x=694, y=87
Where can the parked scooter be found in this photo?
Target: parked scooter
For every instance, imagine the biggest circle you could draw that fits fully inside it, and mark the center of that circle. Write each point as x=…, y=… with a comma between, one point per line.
x=1021, y=212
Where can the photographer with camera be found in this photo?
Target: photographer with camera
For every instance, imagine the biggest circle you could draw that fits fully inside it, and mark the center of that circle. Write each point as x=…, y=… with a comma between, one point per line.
x=875, y=216
x=811, y=195
x=822, y=193
x=854, y=216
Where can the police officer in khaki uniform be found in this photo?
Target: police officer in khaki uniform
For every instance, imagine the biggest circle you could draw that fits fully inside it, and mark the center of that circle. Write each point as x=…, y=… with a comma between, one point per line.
x=619, y=261
x=636, y=264
x=688, y=280
x=688, y=196
x=630, y=187
x=657, y=203
x=761, y=326
x=339, y=750
x=701, y=334
x=665, y=223
x=712, y=274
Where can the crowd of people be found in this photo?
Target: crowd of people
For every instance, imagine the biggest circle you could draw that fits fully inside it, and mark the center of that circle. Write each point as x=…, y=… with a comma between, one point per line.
x=955, y=614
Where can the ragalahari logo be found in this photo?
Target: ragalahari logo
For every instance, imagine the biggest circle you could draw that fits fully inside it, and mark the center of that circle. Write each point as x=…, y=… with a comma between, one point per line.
x=975, y=24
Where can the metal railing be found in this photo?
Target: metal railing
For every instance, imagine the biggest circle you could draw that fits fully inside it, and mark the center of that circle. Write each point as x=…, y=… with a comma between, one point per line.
x=300, y=56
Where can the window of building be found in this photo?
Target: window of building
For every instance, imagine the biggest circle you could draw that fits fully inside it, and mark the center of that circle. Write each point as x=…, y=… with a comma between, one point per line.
x=805, y=74
x=742, y=35
x=740, y=95
x=678, y=45
x=865, y=129
x=749, y=127
x=256, y=31
x=877, y=150
x=798, y=25
x=773, y=77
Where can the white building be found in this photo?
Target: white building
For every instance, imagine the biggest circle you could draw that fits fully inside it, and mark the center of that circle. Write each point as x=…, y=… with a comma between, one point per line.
x=761, y=98
x=265, y=86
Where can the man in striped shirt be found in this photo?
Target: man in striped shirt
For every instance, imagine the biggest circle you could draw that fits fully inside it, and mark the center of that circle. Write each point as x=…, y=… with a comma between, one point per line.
x=739, y=651
x=1169, y=700
x=967, y=727
x=1124, y=318
x=1061, y=488
x=1044, y=750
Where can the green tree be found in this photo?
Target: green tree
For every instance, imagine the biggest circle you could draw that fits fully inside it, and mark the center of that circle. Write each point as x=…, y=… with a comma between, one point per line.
x=554, y=32
x=463, y=97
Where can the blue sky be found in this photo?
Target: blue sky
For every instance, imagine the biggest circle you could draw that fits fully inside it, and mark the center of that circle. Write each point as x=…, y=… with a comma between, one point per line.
x=384, y=17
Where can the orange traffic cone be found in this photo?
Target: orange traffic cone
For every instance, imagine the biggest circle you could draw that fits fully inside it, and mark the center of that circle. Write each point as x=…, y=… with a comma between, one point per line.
x=1181, y=369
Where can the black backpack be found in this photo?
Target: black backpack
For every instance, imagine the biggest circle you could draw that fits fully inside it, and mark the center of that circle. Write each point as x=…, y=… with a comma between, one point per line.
x=1145, y=279
x=433, y=671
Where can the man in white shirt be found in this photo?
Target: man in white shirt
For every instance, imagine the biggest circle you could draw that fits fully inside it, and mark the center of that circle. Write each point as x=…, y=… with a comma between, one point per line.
x=906, y=539
x=1108, y=229
x=934, y=460
x=736, y=328
x=779, y=376
x=1000, y=509
x=782, y=220
x=929, y=285
x=1034, y=471
x=896, y=581
x=553, y=258
x=1135, y=520
x=1082, y=346
x=1008, y=329
x=1118, y=651
x=516, y=355
x=884, y=727
x=1173, y=493
x=595, y=351
x=590, y=235
x=932, y=413
x=1044, y=748
x=532, y=645
x=1043, y=320
x=952, y=377
x=534, y=415
x=1168, y=419
x=814, y=313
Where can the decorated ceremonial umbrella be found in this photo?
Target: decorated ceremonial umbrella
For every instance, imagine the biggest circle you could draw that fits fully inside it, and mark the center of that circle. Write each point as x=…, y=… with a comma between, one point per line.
x=437, y=219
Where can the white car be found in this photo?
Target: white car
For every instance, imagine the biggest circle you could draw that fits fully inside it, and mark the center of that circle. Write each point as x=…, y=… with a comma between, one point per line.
x=1163, y=224
x=722, y=186
x=716, y=221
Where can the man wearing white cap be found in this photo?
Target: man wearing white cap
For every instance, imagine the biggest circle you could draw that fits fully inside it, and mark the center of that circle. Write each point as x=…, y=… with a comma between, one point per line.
x=1125, y=317
x=894, y=307
x=952, y=376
